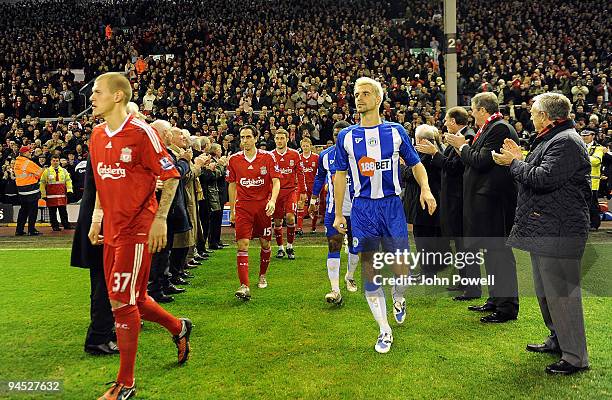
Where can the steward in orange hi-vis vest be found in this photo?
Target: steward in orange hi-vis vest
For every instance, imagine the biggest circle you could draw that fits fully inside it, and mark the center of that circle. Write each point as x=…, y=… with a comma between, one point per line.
x=27, y=174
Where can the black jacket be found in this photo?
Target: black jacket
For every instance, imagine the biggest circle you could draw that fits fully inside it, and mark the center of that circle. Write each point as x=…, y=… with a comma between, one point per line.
x=178, y=216
x=208, y=180
x=451, y=192
x=222, y=185
x=415, y=214
x=552, y=216
x=84, y=254
x=489, y=192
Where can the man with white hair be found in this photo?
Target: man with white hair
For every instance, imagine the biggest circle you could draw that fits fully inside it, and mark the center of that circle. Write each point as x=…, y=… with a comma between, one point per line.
x=425, y=226
x=132, y=108
x=184, y=241
x=552, y=223
x=371, y=151
x=451, y=195
x=160, y=288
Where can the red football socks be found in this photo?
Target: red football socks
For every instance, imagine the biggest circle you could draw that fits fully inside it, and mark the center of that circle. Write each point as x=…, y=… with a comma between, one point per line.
x=151, y=311
x=300, y=218
x=314, y=221
x=127, y=324
x=243, y=267
x=290, y=233
x=278, y=234
x=264, y=261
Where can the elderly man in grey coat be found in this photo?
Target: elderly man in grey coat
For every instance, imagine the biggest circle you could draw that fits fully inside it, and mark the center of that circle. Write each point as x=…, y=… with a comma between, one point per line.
x=552, y=223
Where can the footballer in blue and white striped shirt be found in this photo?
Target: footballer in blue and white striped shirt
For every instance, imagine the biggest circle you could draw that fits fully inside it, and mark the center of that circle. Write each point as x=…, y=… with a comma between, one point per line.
x=325, y=174
x=370, y=152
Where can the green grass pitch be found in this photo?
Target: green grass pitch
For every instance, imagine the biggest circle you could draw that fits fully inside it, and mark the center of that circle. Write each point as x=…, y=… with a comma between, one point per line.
x=287, y=343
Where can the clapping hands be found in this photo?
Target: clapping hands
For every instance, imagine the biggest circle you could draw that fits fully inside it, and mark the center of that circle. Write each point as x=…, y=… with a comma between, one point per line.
x=510, y=151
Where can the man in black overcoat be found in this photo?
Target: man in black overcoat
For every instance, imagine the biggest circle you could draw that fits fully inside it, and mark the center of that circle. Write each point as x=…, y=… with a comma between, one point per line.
x=489, y=205
x=101, y=338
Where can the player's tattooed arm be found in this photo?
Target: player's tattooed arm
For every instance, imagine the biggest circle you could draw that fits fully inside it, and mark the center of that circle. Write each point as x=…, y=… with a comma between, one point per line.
x=167, y=195
x=158, y=232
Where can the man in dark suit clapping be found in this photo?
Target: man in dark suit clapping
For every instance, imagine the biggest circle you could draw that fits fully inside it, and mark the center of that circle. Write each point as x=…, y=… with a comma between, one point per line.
x=451, y=195
x=489, y=204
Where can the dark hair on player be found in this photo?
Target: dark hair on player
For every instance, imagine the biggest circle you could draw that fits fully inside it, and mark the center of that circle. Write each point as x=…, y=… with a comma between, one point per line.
x=252, y=128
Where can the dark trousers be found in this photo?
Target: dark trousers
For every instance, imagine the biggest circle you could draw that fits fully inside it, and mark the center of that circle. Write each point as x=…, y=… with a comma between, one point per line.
x=214, y=230
x=470, y=270
x=63, y=216
x=594, y=210
x=27, y=212
x=102, y=326
x=557, y=285
x=503, y=294
x=178, y=259
x=159, y=277
x=428, y=239
x=205, y=220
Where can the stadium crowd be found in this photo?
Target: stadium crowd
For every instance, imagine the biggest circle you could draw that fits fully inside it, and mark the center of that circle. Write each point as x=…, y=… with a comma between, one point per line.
x=288, y=67
x=199, y=72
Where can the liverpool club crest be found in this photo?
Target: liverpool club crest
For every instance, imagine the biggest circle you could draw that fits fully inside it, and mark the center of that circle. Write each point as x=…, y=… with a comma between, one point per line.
x=126, y=155
x=263, y=171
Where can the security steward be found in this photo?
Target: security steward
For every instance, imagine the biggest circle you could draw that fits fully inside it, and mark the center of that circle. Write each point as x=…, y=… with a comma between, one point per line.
x=27, y=174
x=55, y=183
x=596, y=154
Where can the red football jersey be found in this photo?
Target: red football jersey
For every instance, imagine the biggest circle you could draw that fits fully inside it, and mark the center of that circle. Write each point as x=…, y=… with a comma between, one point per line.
x=292, y=173
x=253, y=177
x=310, y=165
x=127, y=163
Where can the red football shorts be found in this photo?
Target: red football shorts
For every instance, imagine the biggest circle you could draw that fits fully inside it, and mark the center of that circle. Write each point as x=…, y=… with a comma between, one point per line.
x=252, y=221
x=126, y=270
x=286, y=203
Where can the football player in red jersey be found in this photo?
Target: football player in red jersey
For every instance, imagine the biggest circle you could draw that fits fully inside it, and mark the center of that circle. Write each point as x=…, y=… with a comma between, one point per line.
x=254, y=184
x=310, y=162
x=127, y=157
x=292, y=182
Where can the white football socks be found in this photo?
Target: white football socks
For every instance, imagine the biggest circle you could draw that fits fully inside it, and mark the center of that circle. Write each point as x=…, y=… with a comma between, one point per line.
x=353, y=262
x=378, y=306
x=333, y=270
x=398, y=291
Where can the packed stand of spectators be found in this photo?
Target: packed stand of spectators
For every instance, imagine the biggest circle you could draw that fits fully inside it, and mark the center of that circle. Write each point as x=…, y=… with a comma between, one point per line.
x=291, y=65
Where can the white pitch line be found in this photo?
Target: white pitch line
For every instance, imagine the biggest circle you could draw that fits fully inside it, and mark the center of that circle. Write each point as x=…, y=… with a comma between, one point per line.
x=70, y=248
x=37, y=248
x=229, y=247
x=25, y=241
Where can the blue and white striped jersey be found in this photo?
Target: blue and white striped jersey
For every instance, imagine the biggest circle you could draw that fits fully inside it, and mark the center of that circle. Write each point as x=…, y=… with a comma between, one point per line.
x=371, y=155
x=325, y=172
